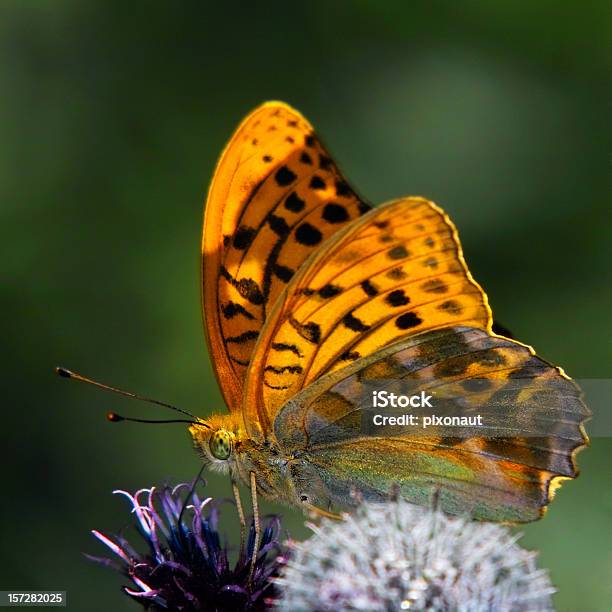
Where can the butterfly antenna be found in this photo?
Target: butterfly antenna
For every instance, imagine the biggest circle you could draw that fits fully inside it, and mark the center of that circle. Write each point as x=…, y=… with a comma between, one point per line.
x=114, y=417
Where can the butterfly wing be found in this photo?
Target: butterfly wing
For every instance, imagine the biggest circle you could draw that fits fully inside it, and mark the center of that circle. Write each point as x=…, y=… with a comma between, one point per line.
x=505, y=469
x=275, y=196
x=397, y=271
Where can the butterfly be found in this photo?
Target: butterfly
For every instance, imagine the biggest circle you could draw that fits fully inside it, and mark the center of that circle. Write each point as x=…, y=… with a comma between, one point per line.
x=310, y=296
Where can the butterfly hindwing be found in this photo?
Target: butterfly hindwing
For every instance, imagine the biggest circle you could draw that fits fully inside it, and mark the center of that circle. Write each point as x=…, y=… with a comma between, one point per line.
x=504, y=469
x=275, y=197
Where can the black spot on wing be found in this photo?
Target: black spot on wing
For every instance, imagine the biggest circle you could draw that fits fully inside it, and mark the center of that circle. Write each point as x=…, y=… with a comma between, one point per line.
x=310, y=331
x=435, y=285
x=243, y=337
x=277, y=387
x=408, y=320
x=279, y=225
x=241, y=362
x=316, y=182
x=283, y=273
x=354, y=323
x=363, y=208
x=324, y=162
x=396, y=274
x=243, y=237
x=305, y=158
x=294, y=203
x=308, y=235
x=329, y=290
x=397, y=298
x=231, y=309
x=335, y=213
x=398, y=252
x=271, y=268
x=284, y=176
x=246, y=287
x=451, y=306
x=291, y=369
x=342, y=189
x=368, y=288
x=283, y=346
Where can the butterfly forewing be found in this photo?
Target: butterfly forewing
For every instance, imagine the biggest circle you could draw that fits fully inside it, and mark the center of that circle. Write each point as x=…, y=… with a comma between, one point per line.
x=276, y=196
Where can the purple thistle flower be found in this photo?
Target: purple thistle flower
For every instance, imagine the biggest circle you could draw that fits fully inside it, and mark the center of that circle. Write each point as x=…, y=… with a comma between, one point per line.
x=186, y=566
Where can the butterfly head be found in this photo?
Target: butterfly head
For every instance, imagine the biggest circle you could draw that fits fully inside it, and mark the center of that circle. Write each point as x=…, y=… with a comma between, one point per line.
x=216, y=439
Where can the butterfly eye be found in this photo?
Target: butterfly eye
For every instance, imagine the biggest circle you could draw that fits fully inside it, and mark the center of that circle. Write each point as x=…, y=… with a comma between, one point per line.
x=221, y=445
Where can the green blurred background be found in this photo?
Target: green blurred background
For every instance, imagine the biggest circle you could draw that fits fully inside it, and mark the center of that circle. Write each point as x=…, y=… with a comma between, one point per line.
x=112, y=115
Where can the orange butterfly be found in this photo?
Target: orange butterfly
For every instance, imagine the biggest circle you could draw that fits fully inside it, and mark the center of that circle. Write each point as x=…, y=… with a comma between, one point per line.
x=311, y=296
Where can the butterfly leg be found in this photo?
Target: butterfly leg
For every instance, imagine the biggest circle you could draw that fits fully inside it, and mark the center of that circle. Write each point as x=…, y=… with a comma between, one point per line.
x=240, y=516
x=257, y=527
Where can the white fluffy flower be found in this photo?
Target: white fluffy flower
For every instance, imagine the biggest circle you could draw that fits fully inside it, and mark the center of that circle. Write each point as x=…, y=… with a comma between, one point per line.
x=397, y=556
